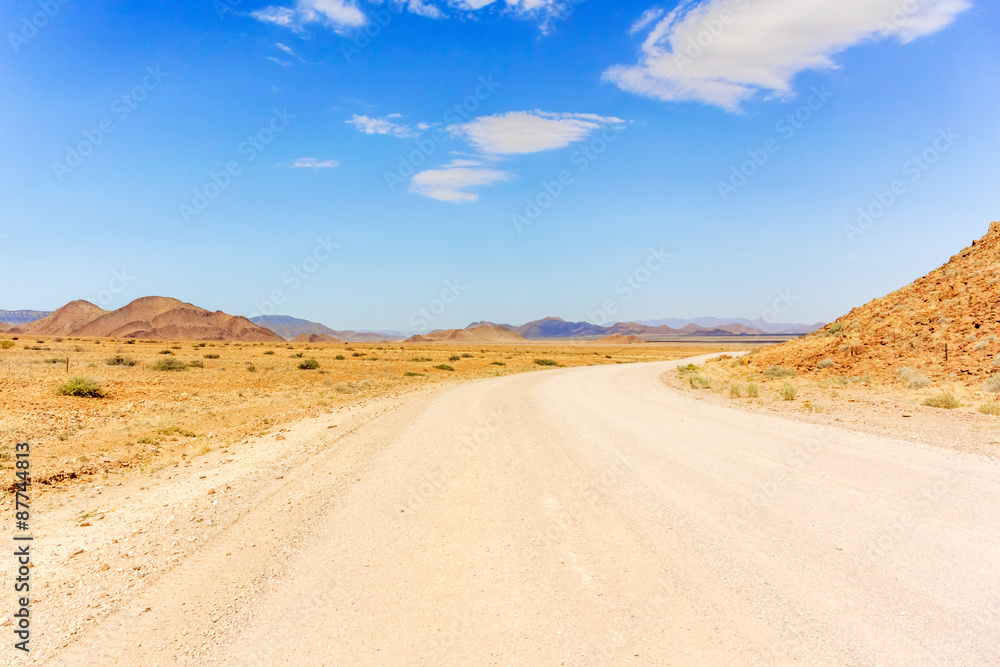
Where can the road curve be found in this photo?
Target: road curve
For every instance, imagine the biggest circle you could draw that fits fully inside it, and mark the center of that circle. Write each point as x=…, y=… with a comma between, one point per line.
x=590, y=516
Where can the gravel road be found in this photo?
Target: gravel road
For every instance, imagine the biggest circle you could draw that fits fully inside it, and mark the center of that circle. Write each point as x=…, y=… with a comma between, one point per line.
x=587, y=516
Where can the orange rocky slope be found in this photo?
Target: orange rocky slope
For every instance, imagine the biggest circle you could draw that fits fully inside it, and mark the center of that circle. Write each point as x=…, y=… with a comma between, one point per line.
x=945, y=324
x=315, y=338
x=484, y=334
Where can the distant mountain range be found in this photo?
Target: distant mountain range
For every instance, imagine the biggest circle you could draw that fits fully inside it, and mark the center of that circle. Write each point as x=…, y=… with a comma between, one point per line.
x=76, y=316
x=291, y=327
x=22, y=316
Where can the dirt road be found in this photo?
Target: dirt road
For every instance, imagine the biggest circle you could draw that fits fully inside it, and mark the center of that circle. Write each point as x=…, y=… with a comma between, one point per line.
x=587, y=516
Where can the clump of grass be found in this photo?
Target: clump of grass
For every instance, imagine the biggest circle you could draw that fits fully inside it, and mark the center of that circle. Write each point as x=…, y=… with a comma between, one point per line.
x=990, y=409
x=175, y=347
x=419, y=360
x=752, y=390
x=779, y=372
x=119, y=360
x=81, y=386
x=411, y=374
x=197, y=363
x=297, y=355
x=253, y=369
x=211, y=356
x=358, y=354
x=546, y=362
x=454, y=357
x=497, y=363
x=826, y=363
x=170, y=365
x=177, y=430
x=945, y=400
x=339, y=357
x=467, y=356
x=813, y=407
x=309, y=365
x=346, y=388
x=836, y=328
x=684, y=370
x=166, y=352
x=992, y=384
x=55, y=361
x=6, y=344
x=444, y=367
x=913, y=379
x=789, y=392
x=268, y=351
x=736, y=390
x=700, y=381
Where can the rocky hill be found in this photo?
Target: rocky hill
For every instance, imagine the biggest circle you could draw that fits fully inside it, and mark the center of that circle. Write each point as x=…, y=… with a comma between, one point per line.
x=64, y=321
x=476, y=335
x=945, y=325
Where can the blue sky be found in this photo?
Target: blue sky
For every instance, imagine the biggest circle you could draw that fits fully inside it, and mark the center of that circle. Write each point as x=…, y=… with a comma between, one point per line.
x=350, y=162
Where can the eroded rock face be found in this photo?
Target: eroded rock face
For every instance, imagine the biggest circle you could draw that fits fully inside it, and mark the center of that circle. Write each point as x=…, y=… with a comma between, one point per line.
x=945, y=324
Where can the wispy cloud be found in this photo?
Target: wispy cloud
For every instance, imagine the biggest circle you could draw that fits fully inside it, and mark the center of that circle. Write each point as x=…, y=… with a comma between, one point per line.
x=340, y=15
x=313, y=163
x=278, y=61
x=530, y=131
x=289, y=50
x=344, y=15
x=385, y=125
x=723, y=52
x=450, y=182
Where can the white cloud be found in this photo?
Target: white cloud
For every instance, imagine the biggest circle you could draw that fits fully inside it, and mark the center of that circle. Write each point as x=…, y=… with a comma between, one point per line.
x=530, y=131
x=343, y=15
x=450, y=182
x=386, y=125
x=313, y=163
x=278, y=61
x=339, y=14
x=723, y=52
x=287, y=49
x=647, y=17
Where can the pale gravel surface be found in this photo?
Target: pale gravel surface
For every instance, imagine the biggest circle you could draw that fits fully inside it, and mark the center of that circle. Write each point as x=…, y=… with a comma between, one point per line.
x=576, y=516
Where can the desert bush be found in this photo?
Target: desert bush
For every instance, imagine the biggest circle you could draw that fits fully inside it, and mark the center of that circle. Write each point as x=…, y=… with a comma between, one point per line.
x=166, y=352
x=169, y=365
x=826, y=363
x=6, y=344
x=990, y=409
x=211, y=356
x=779, y=372
x=119, y=360
x=296, y=355
x=55, y=361
x=345, y=388
x=683, y=370
x=175, y=347
x=268, y=351
x=358, y=354
x=420, y=360
x=752, y=391
x=340, y=357
x=700, y=381
x=177, y=430
x=913, y=379
x=444, y=367
x=411, y=374
x=81, y=386
x=836, y=327
x=197, y=363
x=944, y=400
x=454, y=357
x=992, y=384
x=253, y=369
x=789, y=392
x=545, y=362
x=309, y=365
x=497, y=363
x=467, y=356
x=736, y=391
x=981, y=345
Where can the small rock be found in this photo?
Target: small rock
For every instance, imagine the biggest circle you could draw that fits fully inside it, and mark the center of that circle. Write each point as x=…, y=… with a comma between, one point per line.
x=76, y=553
x=279, y=437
